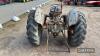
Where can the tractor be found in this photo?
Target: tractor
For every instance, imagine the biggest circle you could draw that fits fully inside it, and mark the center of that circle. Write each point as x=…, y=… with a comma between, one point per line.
x=55, y=23
x=93, y=2
x=2, y=2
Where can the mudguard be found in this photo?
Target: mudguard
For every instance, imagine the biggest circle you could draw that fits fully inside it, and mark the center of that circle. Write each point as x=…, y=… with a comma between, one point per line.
x=72, y=17
x=39, y=16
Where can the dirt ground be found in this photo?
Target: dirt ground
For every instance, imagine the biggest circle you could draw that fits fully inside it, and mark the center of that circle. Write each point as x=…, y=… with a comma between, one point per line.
x=13, y=39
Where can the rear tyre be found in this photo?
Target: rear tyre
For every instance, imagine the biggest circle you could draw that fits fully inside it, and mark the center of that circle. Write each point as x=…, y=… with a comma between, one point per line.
x=33, y=29
x=77, y=32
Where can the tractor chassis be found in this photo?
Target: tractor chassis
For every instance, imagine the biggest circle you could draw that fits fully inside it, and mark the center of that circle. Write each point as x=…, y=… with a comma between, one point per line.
x=46, y=26
x=66, y=43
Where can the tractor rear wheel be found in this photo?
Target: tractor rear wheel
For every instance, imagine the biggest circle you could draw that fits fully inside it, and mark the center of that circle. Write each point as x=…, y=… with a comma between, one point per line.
x=77, y=32
x=34, y=30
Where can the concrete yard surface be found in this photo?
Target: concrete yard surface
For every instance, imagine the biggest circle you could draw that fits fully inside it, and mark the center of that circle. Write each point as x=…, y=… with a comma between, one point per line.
x=16, y=9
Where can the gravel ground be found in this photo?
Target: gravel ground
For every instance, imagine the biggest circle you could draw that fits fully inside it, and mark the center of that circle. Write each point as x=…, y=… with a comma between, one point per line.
x=13, y=41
